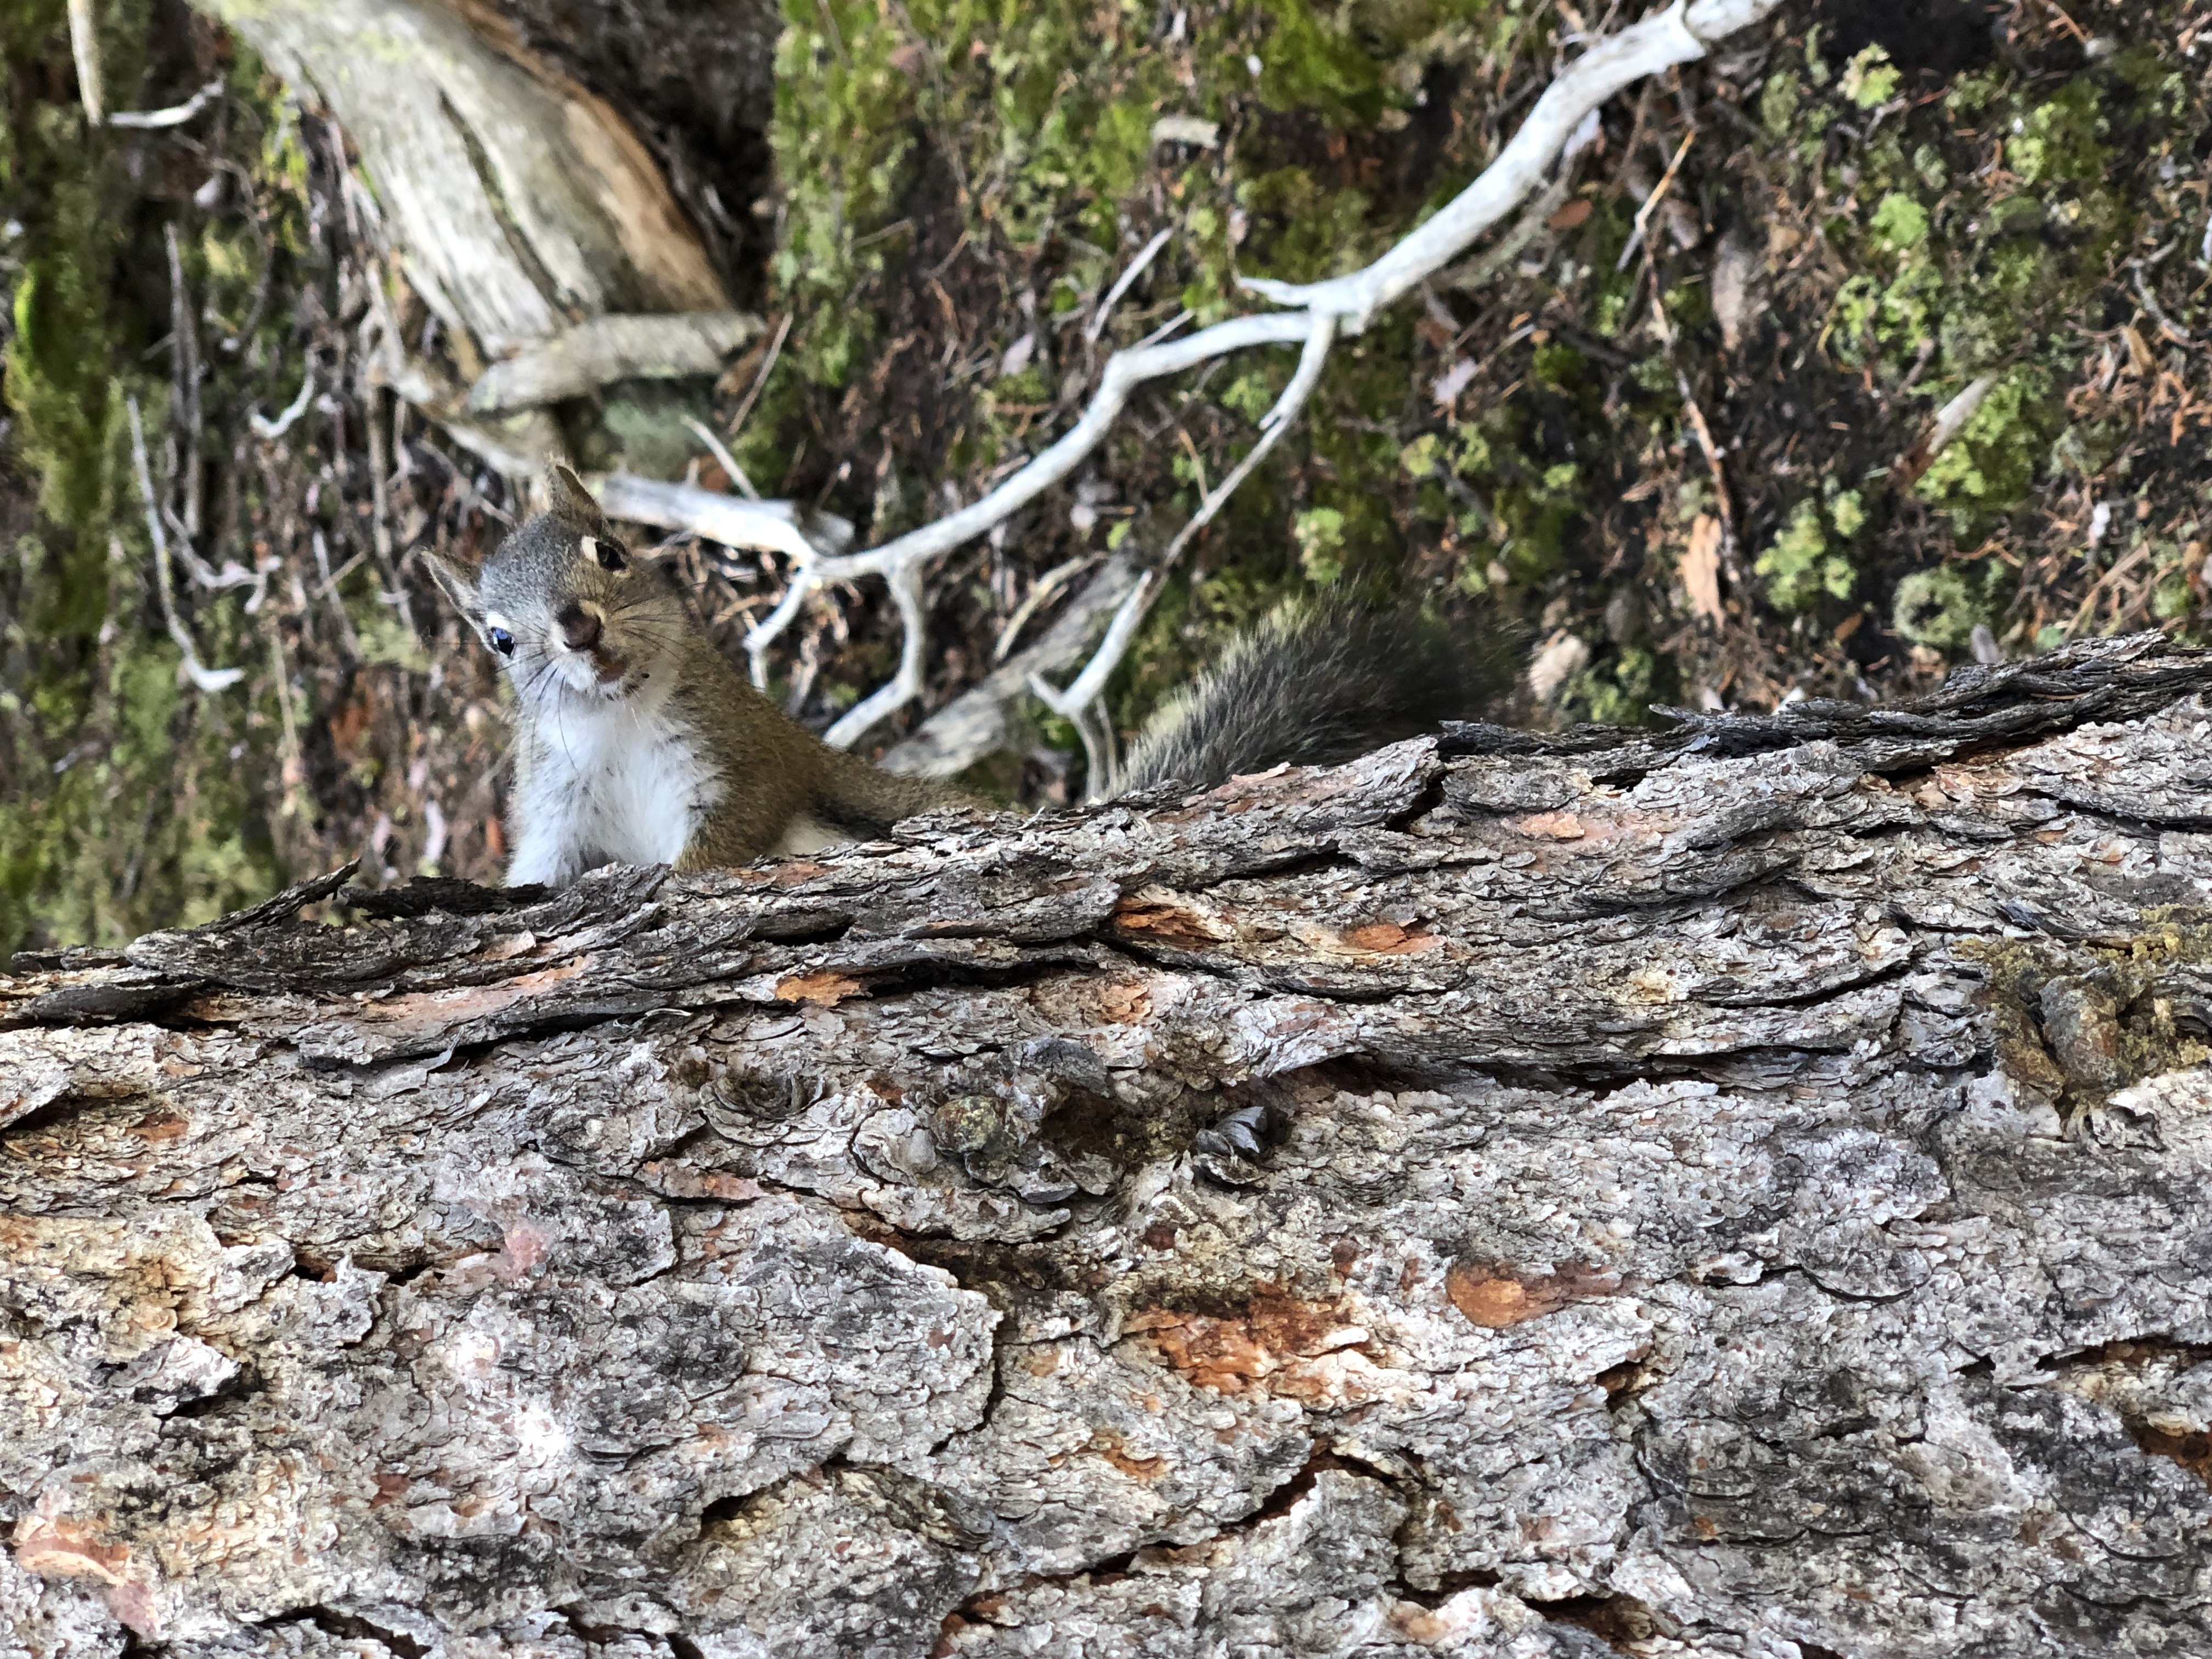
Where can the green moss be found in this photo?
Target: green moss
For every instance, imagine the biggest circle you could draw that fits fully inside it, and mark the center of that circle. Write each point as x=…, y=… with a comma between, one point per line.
x=1422, y=457
x=2062, y=137
x=1937, y=266
x=1777, y=104
x=127, y=800
x=1900, y=221
x=1941, y=607
x=2136, y=975
x=1618, y=692
x=1802, y=567
x=1967, y=233
x=1319, y=534
x=1870, y=79
x=1993, y=464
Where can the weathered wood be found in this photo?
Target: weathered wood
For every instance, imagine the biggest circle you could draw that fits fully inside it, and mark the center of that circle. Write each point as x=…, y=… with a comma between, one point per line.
x=521, y=204
x=580, y=361
x=1711, y=1202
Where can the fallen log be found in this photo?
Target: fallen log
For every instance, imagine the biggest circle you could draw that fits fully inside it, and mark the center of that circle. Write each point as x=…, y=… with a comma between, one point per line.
x=1737, y=1190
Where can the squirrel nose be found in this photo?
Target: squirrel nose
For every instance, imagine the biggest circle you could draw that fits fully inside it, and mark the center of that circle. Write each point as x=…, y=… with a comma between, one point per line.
x=579, y=627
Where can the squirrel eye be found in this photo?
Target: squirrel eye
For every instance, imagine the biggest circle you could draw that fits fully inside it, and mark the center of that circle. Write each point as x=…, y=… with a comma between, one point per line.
x=608, y=556
x=501, y=641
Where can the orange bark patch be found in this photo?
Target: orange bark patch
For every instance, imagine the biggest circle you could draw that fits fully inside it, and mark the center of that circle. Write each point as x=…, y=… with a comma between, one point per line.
x=1700, y=569
x=1125, y=1003
x=62, y=1548
x=826, y=987
x=430, y=1011
x=1109, y=1445
x=2192, y=1451
x=1279, y=1344
x=681, y=1181
x=1387, y=939
x=1552, y=826
x=1165, y=924
x=1495, y=1295
x=350, y=722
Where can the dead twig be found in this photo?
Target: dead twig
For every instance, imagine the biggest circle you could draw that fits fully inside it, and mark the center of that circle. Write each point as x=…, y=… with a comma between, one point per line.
x=1638, y=240
x=720, y=451
x=84, y=46
x=1121, y=284
x=205, y=678
x=1950, y=420
x=270, y=430
x=2167, y=326
x=1040, y=593
x=175, y=116
x=760, y=380
x=1681, y=33
x=185, y=367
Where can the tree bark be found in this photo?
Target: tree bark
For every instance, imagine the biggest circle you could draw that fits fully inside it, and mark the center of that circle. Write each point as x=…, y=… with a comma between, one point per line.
x=1740, y=1191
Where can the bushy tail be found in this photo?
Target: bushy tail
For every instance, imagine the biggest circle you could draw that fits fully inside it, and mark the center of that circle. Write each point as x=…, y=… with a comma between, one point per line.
x=866, y=799
x=1317, y=684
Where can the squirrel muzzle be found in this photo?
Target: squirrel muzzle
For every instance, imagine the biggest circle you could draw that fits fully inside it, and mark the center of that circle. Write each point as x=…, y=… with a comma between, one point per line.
x=582, y=630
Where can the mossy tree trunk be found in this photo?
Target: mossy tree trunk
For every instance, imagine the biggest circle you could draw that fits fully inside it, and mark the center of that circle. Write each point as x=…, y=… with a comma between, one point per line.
x=426, y=189
x=1742, y=1192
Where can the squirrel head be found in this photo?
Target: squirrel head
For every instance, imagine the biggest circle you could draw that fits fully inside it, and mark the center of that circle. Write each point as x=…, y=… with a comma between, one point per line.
x=567, y=609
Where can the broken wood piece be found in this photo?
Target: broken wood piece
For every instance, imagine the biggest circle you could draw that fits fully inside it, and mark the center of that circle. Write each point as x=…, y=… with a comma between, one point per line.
x=578, y=361
x=1950, y=420
x=770, y=526
x=517, y=200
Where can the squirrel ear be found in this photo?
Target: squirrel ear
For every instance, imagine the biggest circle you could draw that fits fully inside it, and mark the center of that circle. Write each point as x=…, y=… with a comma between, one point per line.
x=571, y=501
x=460, y=582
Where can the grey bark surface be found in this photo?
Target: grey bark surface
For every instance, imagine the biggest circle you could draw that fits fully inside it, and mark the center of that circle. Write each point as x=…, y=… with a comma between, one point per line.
x=1737, y=1191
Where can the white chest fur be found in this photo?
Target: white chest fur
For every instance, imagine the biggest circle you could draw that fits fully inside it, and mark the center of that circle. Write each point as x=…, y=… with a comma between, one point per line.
x=617, y=783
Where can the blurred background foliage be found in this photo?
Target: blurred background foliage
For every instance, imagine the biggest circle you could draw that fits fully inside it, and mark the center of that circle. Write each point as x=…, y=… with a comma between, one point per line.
x=1850, y=216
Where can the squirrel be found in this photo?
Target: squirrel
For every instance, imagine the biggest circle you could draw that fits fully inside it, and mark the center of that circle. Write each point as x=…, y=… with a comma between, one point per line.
x=638, y=742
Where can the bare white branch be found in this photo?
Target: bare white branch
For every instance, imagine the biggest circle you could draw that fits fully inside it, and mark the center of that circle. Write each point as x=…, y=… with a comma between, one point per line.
x=84, y=46
x=1679, y=34
x=1092, y=680
x=763, y=633
x=175, y=116
x=1125, y=371
x=1137, y=266
x=206, y=679
x=906, y=592
x=979, y=722
x=1116, y=645
x=1276, y=422
x=770, y=526
x=1562, y=119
